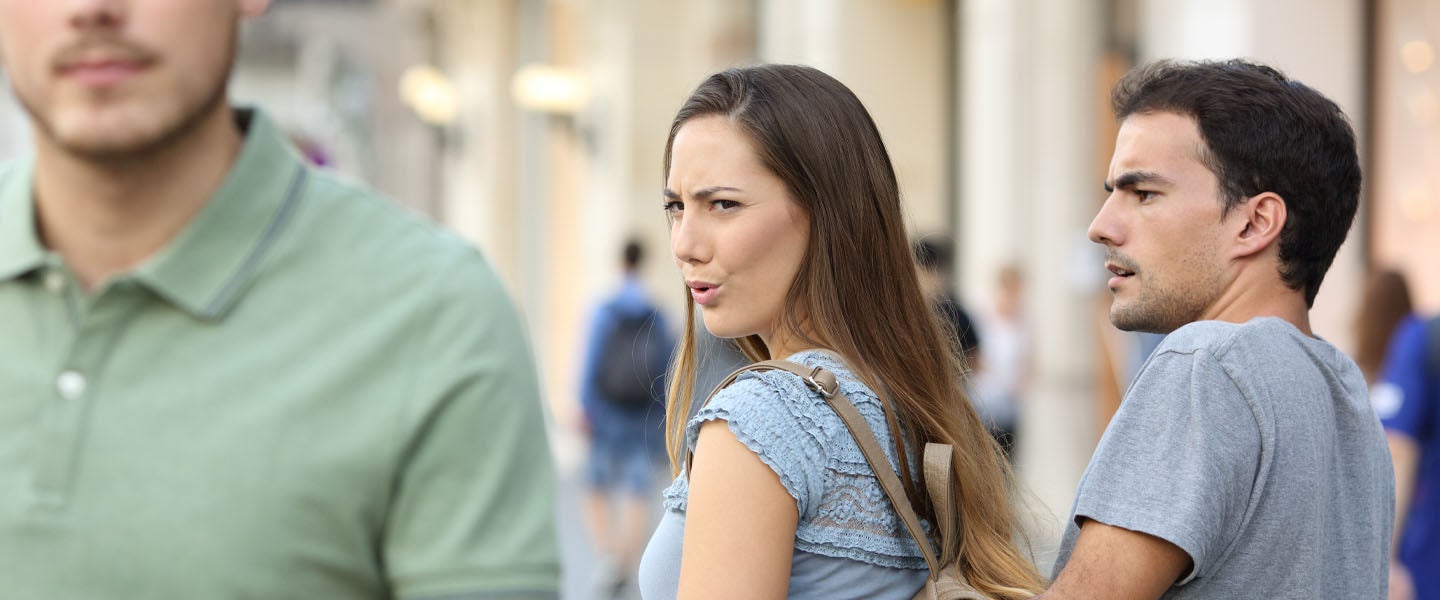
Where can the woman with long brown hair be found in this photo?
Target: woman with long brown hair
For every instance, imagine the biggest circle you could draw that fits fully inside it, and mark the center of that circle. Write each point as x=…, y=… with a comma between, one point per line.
x=786, y=226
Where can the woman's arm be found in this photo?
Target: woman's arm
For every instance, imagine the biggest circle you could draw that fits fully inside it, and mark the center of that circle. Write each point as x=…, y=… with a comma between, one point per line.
x=739, y=525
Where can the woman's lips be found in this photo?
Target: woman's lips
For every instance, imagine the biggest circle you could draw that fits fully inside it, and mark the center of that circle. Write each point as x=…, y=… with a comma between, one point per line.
x=703, y=293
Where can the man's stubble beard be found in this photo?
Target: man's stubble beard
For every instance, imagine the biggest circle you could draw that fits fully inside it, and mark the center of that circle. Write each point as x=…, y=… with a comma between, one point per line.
x=1163, y=310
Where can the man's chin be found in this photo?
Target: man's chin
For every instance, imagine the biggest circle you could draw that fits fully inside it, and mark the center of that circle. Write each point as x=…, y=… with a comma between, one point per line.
x=105, y=147
x=117, y=127
x=1126, y=318
x=105, y=139
x=1131, y=323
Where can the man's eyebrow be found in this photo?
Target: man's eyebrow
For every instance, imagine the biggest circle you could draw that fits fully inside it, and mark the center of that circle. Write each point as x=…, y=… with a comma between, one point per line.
x=703, y=193
x=1130, y=179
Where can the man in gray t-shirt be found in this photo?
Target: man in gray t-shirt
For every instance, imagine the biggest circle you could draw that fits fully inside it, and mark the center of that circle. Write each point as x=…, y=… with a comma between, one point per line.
x=1245, y=461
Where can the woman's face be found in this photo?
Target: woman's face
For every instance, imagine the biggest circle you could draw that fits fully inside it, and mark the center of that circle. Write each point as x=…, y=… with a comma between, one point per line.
x=736, y=233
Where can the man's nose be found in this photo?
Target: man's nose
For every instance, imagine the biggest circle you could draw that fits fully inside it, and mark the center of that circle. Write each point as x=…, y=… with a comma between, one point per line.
x=1105, y=228
x=96, y=14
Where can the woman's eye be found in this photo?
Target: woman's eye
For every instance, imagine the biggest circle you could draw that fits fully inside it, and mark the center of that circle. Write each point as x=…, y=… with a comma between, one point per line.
x=673, y=206
x=725, y=204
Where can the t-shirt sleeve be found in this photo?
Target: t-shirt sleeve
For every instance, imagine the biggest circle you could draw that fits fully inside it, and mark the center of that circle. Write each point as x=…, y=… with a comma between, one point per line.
x=778, y=427
x=1402, y=399
x=472, y=507
x=1178, y=460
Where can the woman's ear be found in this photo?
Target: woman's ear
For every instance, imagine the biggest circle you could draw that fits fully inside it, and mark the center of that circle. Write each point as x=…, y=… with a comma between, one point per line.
x=1264, y=218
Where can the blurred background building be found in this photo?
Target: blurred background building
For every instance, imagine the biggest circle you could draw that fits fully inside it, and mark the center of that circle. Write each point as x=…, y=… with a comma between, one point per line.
x=535, y=129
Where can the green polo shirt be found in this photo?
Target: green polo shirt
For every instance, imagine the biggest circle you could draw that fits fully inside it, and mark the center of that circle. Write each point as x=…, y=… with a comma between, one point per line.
x=309, y=393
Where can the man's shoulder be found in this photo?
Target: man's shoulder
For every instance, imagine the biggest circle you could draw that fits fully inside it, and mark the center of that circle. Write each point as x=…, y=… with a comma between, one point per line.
x=342, y=201
x=1202, y=335
x=1221, y=354
x=366, y=247
x=1266, y=347
x=349, y=221
x=1222, y=339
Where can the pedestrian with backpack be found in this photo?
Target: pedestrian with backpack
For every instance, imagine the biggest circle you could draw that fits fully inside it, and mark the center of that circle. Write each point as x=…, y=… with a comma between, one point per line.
x=806, y=479
x=622, y=387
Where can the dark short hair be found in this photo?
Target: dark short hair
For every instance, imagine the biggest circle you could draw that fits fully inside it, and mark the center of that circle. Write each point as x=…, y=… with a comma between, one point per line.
x=933, y=253
x=1263, y=132
x=632, y=254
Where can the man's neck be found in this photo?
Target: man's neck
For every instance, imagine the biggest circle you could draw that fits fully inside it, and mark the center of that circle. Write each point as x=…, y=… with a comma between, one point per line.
x=106, y=217
x=1262, y=297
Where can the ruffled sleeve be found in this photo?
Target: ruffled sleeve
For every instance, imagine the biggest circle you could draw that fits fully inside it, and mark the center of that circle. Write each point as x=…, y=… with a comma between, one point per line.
x=775, y=427
x=843, y=510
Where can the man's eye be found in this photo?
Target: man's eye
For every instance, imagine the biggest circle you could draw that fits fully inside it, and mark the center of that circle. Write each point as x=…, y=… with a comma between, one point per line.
x=1145, y=196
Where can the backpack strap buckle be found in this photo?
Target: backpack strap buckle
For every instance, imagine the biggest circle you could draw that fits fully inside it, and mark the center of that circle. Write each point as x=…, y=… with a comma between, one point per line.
x=822, y=381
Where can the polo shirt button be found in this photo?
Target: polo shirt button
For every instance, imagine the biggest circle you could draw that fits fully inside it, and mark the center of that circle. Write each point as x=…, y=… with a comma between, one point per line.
x=54, y=281
x=71, y=385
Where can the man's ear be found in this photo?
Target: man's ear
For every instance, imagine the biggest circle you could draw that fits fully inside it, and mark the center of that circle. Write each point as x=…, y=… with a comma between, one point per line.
x=1261, y=218
x=253, y=8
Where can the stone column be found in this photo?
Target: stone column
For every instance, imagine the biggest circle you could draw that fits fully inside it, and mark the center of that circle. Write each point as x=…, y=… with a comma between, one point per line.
x=1027, y=130
x=896, y=57
x=476, y=44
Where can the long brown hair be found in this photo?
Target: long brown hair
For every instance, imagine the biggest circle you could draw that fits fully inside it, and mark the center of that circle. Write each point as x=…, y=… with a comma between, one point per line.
x=1385, y=303
x=859, y=295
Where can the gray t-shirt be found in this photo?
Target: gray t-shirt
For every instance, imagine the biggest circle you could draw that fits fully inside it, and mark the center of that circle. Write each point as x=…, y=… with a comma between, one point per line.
x=1254, y=449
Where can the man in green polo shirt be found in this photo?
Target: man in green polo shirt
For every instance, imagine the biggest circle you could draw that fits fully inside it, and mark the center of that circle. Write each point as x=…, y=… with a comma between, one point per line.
x=226, y=375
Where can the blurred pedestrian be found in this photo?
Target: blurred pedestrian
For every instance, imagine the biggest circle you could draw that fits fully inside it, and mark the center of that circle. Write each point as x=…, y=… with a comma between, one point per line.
x=1004, y=372
x=1384, y=305
x=786, y=225
x=1245, y=460
x=1406, y=396
x=936, y=259
x=622, y=395
x=226, y=374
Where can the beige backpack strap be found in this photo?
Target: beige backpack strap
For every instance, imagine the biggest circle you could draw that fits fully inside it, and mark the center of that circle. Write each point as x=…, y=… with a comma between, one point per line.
x=889, y=480
x=938, y=474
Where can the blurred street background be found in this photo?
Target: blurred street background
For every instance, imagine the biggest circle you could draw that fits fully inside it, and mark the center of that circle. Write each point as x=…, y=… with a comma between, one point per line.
x=535, y=129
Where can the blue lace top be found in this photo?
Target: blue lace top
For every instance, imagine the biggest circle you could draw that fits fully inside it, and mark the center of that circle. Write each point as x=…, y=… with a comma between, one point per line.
x=849, y=542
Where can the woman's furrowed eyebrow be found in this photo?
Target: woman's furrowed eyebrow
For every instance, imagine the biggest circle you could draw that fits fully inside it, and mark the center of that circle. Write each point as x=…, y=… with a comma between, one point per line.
x=703, y=193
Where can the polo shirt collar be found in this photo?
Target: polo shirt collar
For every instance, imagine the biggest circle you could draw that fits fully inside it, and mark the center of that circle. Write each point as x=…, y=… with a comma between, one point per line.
x=20, y=249
x=205, y=269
